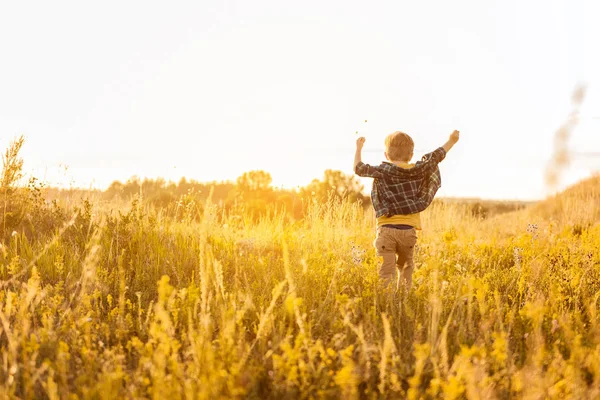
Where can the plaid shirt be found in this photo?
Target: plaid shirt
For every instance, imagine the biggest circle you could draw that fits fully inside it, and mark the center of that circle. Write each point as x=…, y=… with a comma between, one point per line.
x=403, y=191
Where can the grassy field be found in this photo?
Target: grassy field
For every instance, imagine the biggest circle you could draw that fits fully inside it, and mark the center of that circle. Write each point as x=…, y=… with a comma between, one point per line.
x=133, y=302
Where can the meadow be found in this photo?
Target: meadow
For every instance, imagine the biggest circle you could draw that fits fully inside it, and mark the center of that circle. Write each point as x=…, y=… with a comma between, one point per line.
x=103, y=300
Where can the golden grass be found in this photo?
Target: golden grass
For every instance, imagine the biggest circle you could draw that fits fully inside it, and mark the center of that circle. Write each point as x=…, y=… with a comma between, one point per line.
x=139, y=304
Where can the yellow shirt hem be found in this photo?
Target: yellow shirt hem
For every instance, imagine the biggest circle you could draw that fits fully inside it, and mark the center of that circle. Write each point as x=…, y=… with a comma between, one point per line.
x=413, y=220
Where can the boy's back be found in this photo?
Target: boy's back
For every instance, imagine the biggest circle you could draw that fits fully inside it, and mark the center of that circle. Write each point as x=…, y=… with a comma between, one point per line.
x=412, y=219
x=400, y=192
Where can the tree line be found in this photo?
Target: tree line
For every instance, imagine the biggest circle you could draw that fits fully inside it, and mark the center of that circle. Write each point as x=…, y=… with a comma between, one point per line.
x=252, y=192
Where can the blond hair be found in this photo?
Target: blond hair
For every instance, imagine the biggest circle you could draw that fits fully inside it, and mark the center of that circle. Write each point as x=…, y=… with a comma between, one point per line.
x=399, y=146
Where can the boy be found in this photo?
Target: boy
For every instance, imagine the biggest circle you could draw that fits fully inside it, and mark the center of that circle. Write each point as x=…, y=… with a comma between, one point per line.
x=400, y=192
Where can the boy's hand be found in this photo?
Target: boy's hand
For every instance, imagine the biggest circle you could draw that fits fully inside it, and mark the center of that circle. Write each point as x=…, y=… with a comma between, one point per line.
x=455, y=136
x=360, y=142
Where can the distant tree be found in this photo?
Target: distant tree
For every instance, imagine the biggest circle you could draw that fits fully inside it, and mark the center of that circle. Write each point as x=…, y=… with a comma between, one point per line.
x=162, y=199
x=254, y=181
x=337, y=184
x=291, y=202
x=253, y=192
x=115, y=189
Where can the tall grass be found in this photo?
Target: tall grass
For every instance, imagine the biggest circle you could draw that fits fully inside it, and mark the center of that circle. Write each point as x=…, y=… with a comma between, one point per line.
x=139, y=303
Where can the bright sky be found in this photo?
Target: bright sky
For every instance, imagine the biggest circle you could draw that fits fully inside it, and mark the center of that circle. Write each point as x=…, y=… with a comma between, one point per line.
x=210, y=89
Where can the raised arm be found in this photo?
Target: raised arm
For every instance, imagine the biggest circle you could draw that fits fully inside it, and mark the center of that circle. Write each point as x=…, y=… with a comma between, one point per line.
x=358, y=155
x=431, y=160
x=360, y=168
x=451, y=141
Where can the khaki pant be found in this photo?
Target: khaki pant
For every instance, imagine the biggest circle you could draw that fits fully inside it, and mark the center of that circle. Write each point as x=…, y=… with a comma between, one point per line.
x=397, y=247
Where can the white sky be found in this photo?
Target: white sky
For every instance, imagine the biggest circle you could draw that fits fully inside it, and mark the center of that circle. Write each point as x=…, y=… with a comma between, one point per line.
x=211, y=89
